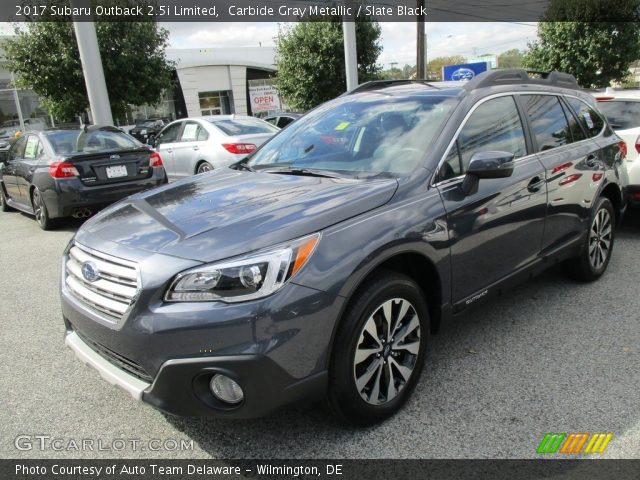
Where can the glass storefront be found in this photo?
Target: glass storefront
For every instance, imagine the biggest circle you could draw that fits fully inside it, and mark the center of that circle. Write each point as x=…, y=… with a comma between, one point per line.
x=215, y=103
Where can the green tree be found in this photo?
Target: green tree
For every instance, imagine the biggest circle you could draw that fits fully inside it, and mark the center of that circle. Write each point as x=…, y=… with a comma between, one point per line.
x=44, y=57
x=513, y=58
x=310, y=60
x=589, y=39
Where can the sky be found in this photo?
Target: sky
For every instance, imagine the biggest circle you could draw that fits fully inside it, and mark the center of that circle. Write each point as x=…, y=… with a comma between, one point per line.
x=398, y=39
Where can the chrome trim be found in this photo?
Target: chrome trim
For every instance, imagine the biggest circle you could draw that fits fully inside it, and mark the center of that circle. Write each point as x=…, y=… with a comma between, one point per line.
x=112, y=374
x=111, y=297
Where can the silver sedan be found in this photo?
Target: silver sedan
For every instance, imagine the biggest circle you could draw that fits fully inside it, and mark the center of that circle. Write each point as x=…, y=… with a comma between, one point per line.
x=196, y=145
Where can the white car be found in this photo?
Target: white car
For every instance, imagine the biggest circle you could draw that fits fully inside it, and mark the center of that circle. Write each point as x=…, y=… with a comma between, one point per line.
x=622, y=109
x=196, y=145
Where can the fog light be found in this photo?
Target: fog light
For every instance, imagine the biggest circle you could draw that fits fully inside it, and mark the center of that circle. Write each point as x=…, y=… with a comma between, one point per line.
x=226, y=389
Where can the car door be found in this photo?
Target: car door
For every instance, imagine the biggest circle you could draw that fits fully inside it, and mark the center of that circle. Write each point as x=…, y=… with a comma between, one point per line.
x=570, y=159
x=165, y=144
x=24, y=170
x=9, y=172
x=188, y=152
x=497, y=229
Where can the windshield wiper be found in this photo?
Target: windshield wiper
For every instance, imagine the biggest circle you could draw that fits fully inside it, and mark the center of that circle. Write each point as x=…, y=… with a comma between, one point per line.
x=304, y=172
x=242, y=165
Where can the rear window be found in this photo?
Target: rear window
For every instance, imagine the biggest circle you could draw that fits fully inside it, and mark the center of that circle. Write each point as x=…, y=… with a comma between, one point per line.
x=243, y=126
x=66, y=142
x=621, y=114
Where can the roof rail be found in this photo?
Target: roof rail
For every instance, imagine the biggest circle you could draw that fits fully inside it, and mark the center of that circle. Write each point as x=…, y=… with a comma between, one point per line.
x=513, y=76
x=376, y=84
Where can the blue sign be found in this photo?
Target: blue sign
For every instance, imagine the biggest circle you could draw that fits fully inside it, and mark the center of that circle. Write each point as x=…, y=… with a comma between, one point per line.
x=463, y=71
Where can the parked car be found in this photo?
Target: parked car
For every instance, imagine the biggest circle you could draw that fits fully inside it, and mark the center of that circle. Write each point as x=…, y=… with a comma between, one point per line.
x=320, y=265
x=197, y=145
x=281, y=120
x=147, y=129
x=75, y=172
x=622, y=108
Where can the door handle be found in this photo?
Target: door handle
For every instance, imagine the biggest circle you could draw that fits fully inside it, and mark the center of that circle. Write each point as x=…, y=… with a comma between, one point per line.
x=169, y=150
x=535, y=184
x=195, y=147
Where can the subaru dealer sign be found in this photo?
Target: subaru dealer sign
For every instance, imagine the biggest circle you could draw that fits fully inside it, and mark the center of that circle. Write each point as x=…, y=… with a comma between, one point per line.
x=463, y=71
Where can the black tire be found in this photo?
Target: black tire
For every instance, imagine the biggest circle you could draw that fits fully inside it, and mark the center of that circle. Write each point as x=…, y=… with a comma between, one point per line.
x=346, y=399
x=595, y=253
x=3, y=201
x=203, y=167
x=40, y=211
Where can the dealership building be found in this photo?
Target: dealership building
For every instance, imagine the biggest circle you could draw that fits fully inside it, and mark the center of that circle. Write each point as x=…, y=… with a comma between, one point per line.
x=207, y=81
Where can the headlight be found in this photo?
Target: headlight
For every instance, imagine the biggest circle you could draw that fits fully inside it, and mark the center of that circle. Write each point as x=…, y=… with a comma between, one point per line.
x=143, y=132
x=253, y=276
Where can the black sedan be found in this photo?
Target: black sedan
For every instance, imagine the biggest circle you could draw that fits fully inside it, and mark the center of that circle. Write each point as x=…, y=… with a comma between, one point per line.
x=147, y=129
x=75, y=172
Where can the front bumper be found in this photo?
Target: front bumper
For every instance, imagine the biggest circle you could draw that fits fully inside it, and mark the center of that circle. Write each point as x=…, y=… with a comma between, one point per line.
x=181, y=386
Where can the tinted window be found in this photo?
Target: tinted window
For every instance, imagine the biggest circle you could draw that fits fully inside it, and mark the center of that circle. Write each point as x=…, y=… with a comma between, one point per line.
x=494, y=125
x=284, y=121
x=577, y=133
x=169, y=134
x=271, y=120
x=587, y=116
x=366, y=134
x=622, y=114
x=17, y=150
x=243, y=126
x=79, y=141
x=549, y=123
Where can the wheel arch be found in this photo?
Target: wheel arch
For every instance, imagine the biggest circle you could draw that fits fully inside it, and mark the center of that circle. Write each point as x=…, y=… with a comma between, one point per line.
x=613, y=193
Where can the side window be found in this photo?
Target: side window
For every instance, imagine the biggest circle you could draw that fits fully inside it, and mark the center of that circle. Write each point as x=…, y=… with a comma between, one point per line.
x=587, y=116
x=17, y=150
x=193, y=132
x=271, y=120
x=574, y=127
x=202, y=134
x=32, y=149
x=494, y=125
x=550, y=126
x=284, y=121
x=169, y=134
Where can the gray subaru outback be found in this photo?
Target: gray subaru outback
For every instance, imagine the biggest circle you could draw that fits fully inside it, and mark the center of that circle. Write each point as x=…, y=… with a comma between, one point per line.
x=319, y=266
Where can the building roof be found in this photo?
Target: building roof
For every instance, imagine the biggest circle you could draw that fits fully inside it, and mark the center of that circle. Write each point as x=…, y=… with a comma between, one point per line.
x=256, y=57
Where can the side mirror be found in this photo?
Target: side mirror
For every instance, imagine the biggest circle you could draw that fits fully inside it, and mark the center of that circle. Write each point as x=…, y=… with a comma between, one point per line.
x=489, y=164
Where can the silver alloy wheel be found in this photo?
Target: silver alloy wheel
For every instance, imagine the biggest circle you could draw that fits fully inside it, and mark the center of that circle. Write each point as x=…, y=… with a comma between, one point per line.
x=387, y=351
x=38, y=207
x=204, y=167
x=600, y=239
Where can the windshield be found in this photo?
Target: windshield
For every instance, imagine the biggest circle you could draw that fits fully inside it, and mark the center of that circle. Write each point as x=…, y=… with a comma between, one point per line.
x=621, y=114
x=371, y=134
x=244, y=126
x=66, y=142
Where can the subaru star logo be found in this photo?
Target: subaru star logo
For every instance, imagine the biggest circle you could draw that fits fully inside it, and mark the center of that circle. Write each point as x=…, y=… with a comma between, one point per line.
x=90, y=272
x=114, y=157
x=463, y=74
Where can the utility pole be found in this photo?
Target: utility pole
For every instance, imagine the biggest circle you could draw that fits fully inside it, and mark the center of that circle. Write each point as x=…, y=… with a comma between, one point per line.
x=420, y=64
x=93, y=71
x=350, y=54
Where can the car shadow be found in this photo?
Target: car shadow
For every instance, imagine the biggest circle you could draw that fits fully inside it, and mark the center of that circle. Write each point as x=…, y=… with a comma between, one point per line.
x=497, y=378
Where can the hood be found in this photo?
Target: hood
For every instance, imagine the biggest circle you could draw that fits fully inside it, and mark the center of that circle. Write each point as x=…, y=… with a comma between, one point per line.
x=227, y=212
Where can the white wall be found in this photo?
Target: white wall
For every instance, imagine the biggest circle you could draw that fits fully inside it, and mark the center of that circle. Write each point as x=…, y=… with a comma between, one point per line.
x=203, y=79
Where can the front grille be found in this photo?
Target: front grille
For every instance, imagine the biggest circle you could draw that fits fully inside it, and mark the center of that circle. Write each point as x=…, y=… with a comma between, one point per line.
x=115, y=288
x=118, y=360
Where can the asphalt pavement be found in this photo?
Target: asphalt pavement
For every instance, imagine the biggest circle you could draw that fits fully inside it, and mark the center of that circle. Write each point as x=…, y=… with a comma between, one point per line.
x=551, y=356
